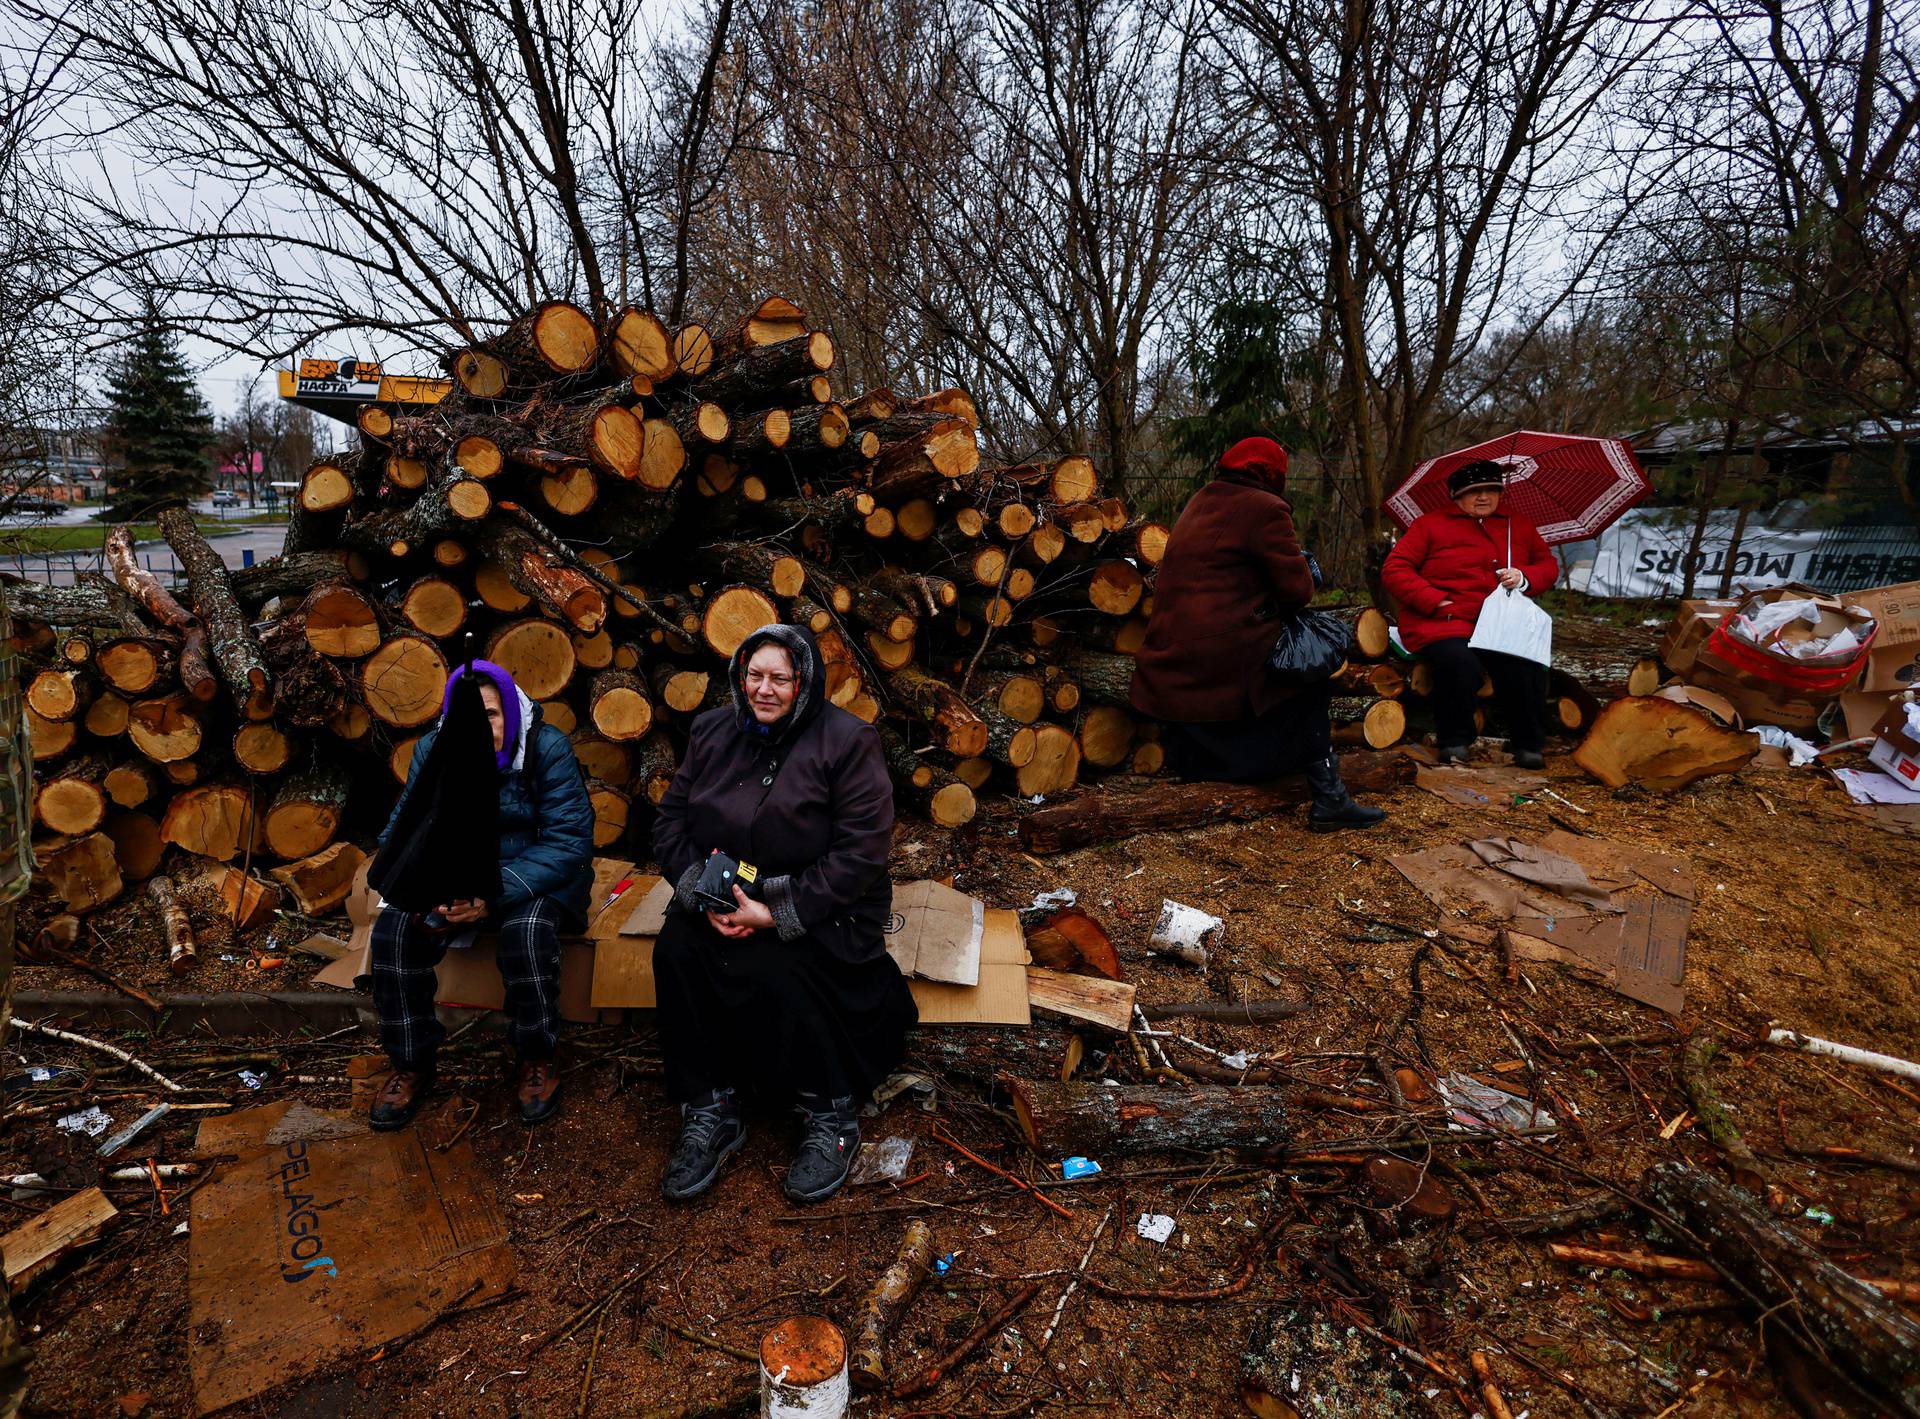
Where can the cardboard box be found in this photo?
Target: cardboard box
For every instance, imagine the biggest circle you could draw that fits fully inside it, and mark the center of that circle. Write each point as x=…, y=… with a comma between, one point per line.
x=1692, y=624
x=469, y=979
x=1897, y=746
x=1895, y=660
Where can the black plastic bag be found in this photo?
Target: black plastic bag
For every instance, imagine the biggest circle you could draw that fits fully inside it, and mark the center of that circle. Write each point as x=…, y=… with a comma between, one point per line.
x=1309, y=648
x=445, y=845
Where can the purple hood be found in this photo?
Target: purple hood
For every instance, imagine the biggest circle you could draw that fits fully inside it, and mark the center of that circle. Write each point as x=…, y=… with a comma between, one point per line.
x=510, y=698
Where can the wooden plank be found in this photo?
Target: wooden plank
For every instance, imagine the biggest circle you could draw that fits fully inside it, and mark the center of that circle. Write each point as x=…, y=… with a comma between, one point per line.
x=1107, y=1003
x=34, y=1246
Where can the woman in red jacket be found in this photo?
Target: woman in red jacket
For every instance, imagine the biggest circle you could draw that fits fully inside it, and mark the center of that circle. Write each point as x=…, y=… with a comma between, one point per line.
x=1441, y=572
x=1232, y=573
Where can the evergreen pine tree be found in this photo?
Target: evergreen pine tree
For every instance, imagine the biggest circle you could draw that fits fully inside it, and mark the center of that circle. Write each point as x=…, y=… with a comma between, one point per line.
x=157, y=424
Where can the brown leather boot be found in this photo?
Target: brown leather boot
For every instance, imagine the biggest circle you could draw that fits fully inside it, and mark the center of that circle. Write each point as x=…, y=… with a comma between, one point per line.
x=538, y=1085
x=399, y=1099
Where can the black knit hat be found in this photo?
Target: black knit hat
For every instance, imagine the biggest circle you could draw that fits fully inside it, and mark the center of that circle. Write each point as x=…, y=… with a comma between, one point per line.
x=1470, y=477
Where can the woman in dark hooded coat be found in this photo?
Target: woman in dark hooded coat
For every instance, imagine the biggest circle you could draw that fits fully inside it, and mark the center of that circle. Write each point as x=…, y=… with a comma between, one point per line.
x=792, y=992
x=1233, y=572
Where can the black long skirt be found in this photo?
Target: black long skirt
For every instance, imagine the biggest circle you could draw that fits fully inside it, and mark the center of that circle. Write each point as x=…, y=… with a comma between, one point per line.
x=774, y=1018
x=1284, y=740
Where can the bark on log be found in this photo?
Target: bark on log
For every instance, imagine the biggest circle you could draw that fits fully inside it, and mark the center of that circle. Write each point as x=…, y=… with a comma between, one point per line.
x=1103, y=815
x=554, y=338
x=174, y=923
x=137, y=846
x=287, y=577
x=929, y=787
x=235, y=649
x=1093, y=1120
x=449, y=507
x=757, y=374
x=196, y=671
x=887, y=1302
x=956, y=728
x=530, y=566
x=1829, y=1312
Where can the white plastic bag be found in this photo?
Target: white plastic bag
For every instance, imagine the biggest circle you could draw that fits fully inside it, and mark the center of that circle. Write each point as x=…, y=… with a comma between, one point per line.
x=1513, y=625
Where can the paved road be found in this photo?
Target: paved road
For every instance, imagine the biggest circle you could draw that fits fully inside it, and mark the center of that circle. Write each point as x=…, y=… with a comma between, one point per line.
x=60, y=568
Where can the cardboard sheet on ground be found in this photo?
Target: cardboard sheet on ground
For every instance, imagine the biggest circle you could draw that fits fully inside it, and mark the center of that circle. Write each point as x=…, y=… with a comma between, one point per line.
x=1611, y=911
x=1873, y=786
x=307, y=1250
x=1479, y=785
x=470, y=978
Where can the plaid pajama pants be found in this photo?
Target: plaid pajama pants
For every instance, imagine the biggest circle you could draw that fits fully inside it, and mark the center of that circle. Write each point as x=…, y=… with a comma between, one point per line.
x=403, y=957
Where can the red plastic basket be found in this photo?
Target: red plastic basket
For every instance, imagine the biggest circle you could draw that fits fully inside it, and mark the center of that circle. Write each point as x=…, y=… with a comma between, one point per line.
x=1822, y=675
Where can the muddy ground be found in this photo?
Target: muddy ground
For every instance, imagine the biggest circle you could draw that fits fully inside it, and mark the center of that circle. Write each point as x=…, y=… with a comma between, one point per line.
x=1806, y=916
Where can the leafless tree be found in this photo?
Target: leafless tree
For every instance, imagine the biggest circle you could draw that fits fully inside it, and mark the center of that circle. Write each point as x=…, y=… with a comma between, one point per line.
x=1445, y=153
x=424, y=169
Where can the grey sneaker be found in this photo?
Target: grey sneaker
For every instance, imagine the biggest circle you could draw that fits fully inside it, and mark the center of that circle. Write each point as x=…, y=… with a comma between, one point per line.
x=710, y=1133
x=829, y=1142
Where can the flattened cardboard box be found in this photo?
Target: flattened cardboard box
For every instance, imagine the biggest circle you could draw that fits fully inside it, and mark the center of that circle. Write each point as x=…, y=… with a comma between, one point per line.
x=469, y=979
x=318, y=1244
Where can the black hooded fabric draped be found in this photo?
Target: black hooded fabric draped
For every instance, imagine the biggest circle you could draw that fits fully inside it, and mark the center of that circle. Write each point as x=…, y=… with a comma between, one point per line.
x=444, y=845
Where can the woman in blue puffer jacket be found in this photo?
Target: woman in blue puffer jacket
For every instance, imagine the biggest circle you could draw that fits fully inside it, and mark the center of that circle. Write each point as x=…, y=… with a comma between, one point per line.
x=546, y=879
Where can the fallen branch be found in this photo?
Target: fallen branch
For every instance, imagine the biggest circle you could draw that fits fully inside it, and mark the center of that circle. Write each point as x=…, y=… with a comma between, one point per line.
x=1232, y=1012
x=1021, y=1183
x=1813, y=1044
x=33, y=1028
x=1715, y=1121
x=1687, y=1268
x=1079, y=1274
x=1594, y=1210
x=936, y=1372
x=1249, y=1268
x=1489, y=1391
x=886, y=1302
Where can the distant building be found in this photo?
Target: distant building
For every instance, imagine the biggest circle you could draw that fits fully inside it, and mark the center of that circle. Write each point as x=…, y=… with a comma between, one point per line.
x=68, y=468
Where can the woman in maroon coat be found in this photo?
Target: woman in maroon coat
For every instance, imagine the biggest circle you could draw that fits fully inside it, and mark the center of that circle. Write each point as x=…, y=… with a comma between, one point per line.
x=1441, y=573
x=1232, y=573
x=792, y=992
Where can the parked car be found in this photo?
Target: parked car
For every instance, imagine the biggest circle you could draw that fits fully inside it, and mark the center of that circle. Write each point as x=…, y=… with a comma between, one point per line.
x=226, y=497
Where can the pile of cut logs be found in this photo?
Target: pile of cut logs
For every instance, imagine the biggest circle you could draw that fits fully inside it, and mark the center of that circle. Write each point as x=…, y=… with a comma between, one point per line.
x=606, y=509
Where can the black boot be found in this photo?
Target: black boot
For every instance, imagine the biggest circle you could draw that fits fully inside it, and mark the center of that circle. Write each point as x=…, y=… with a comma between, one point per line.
x=829, y=1142
x=710, y=1133
x=1333, y=807
x=1529, y=759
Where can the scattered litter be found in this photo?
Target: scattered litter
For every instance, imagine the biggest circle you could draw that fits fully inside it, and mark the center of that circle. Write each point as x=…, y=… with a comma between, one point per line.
x=1798, y=751
x=1472, y=1104
x=885, y=1161
x=1053, y=901
x=252, y=1078
x=1819, y=1214
x=135, y=1129
x=1872, y=786
x=943, y=1265
x=36, y=1074
x=1071, y=1168
x=92, y=1121
x=1185, y=932
x=1155, y=1227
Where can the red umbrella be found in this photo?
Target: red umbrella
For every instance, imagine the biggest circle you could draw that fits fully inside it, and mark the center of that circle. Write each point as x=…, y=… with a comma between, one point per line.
x=1568, y=486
